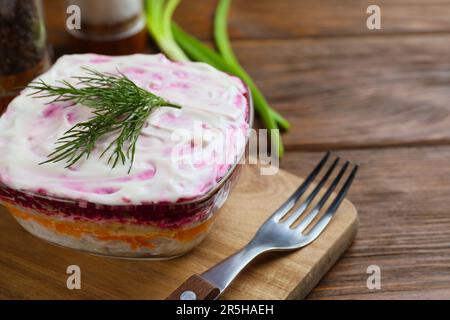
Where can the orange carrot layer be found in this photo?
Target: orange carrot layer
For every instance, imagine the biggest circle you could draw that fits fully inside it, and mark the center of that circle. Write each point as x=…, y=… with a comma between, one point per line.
x=136, y=236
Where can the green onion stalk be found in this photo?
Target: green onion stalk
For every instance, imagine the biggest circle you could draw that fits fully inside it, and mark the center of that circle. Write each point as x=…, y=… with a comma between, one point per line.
x=179, y=45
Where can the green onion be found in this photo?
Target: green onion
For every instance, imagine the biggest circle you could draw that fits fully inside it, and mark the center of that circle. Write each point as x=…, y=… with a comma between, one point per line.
x=176, y=43
x=221, y=32
x=197, y=50
x=159, y=18
x=200, y=52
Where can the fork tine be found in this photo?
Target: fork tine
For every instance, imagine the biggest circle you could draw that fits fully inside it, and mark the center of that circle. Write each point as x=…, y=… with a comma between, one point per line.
x=323, y=222
x=310, y=217
x=305, y=204
x=289, y=203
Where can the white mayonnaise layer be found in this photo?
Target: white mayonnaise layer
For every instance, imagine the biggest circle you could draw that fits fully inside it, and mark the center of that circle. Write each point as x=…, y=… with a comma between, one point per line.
x=211, y=123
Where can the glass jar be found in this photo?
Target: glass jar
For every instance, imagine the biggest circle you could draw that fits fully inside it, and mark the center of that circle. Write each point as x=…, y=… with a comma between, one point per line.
x=23, y=51
x=114, y=27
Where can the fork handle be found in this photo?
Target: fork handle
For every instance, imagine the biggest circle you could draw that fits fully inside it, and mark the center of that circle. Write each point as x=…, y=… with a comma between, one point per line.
x=210, y=284
x=195, y=288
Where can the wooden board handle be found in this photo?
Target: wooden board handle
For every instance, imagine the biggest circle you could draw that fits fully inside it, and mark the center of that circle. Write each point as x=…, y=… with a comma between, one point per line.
x=195, y=288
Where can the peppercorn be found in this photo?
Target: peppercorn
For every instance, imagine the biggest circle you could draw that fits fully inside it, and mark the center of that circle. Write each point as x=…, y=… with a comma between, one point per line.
x=22, y=39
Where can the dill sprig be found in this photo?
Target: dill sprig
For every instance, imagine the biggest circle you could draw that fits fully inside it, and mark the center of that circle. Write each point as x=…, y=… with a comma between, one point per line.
x=118, y=106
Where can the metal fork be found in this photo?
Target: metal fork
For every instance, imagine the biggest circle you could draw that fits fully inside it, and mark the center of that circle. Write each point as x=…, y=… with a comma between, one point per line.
x=281, y=231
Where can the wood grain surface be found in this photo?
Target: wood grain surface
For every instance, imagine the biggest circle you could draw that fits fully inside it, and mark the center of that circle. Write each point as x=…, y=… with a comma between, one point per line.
x=266, y=19
x=338, y=93
x=402, y=195
x=377, y=97
x=33, y=269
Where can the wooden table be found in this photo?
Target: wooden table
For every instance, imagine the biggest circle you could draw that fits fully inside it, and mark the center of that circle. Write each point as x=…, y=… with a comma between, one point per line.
x=381, y=98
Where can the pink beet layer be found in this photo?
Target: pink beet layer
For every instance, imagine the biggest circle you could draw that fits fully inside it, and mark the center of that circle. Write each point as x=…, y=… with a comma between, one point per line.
x=163, y=215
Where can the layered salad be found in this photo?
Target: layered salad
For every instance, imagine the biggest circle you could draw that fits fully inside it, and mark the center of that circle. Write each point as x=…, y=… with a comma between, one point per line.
x=158, y=203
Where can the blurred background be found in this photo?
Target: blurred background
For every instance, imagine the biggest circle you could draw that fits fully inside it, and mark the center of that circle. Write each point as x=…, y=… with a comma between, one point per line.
x=378, y=97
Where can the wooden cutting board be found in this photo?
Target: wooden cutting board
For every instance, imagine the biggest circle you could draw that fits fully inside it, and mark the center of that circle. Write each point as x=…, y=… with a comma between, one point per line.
x=33, y=269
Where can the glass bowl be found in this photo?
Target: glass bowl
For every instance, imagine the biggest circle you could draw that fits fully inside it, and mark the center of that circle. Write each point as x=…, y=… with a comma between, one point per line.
x=152, y=231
